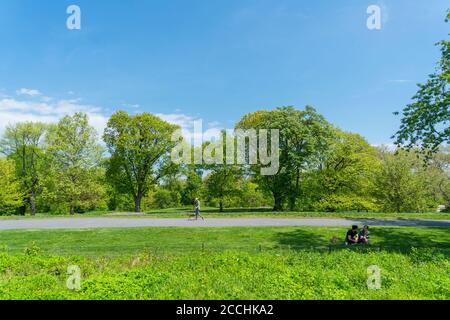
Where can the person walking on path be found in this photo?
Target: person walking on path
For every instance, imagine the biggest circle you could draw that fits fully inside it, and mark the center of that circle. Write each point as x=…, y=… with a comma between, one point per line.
x=197, y=209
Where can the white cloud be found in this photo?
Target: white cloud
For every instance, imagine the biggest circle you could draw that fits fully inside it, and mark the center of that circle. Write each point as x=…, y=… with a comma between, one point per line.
x=13, y=111
x=50, y=110
x=46, y=99
x=386, y=146
x=187, y=124
x=28, y=92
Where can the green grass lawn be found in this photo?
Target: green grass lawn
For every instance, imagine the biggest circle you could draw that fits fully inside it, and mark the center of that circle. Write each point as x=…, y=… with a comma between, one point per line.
x=261, y=212
x=247, y=213
x=120, y=242
x=224, y=263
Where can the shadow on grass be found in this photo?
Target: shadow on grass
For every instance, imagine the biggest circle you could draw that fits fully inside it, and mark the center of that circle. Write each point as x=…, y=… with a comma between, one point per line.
x=400, y=240
x=239, y=210
x=187, y=210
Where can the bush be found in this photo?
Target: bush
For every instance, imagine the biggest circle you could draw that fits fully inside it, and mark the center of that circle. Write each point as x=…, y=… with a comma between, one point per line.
x=32, y=250
x=163, y=199
x=336, y=202
x=10, y=195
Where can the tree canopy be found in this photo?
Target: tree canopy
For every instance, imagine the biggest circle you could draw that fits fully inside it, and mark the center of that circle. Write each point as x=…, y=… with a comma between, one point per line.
x=426, y=121
x=303, y=138
x=140, y=148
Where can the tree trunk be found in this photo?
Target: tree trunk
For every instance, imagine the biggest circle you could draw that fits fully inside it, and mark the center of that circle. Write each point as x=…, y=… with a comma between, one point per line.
x=33, y=199
x=22, y=210
x=72, y=210
x=294, y=193
x=33, y=204
x=221, y=205
x=278, y=202
x=137, y=203
x=292, y=203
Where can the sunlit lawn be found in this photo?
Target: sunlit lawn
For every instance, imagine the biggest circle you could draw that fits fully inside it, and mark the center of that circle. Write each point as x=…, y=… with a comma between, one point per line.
x=115, y=242
x=242, y=213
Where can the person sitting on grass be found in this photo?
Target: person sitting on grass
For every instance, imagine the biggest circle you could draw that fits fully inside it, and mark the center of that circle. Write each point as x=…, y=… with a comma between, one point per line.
x=364, y=235
x=352, y=236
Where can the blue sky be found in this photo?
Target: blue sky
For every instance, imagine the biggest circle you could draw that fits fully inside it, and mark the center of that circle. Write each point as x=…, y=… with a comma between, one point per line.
x=217, y=59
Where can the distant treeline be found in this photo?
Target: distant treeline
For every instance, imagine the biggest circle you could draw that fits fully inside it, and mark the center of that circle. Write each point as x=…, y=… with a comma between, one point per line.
x=63, y=168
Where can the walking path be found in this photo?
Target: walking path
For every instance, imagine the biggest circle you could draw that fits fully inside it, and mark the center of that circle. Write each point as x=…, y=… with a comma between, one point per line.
x=93, y=223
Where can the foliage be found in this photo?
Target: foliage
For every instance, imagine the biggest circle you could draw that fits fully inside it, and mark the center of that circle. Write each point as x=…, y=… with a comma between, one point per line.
x=345, y=179
x=251, y=196
x=11, y=196
x=402, y=183
x=299, y=275
x=438, y=175
x=236, y=263
x=139, y=146
x=23, y=143
x=60, y=169
x=345, y=203
x=222, y=184
x=164, y=198
x=73, y=178
x=303, y=138
x=193, y=186
x=426, y=122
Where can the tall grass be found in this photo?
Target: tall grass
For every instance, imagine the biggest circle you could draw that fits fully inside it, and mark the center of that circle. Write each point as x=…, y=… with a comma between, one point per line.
x=420, y=274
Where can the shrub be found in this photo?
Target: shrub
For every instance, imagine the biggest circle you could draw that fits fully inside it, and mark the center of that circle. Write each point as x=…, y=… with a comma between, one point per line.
x=163, y=198
x=337, y=202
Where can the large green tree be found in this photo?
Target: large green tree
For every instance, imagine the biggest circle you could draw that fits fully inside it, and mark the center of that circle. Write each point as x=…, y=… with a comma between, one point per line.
x=345, y=177
x=426, y=121
x=303, y=136
x=193, y=185
x=10, y=195
x=74, y=154
x=223, y=176
x=140, y=148
x=23, y=143
x=439, y=176
x=223, y=182
x=403, y=184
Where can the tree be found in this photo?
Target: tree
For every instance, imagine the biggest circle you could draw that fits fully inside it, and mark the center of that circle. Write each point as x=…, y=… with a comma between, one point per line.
x=23, y=143
x=164, y=198
x=304, y=137
x=223, y=179
x=140, y=148
x=193, y=186
x=402, y=184
x=223, y=182
x=426, y=121
x=439, y=176
x=250, y=195
x=74, y=154
x=346, y=175
x=10, y=195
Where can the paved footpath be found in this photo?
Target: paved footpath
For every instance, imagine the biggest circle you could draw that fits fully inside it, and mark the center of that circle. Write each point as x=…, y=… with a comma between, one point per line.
x=93, y=223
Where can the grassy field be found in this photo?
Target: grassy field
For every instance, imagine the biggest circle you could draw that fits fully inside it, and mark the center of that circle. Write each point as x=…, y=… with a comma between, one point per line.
x=247, y=213
x=224, y=263
x=121, y=242
x=229, y=275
